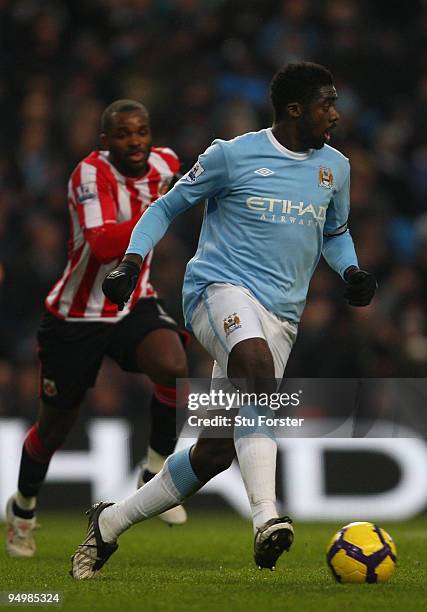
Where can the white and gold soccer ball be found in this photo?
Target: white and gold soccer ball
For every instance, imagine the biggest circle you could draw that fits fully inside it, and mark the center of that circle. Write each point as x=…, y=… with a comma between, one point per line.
x=361, y=552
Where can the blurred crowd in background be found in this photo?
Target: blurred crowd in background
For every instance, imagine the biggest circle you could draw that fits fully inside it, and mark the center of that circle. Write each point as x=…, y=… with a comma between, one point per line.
x=203, y=68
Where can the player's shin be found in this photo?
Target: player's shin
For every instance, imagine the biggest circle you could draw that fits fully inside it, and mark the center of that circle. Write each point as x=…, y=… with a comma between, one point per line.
x=34, y=465
x=167, y=489
x=256, y=450
x=20, y=508
x=165, y=404
x=163, y=429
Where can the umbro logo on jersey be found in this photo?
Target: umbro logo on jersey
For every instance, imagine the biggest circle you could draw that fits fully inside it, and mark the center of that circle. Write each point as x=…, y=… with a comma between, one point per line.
x=263, y=171
x=115, y=274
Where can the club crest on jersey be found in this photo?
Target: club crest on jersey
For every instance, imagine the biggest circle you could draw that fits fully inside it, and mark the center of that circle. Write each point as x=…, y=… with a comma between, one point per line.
x=231, y=323
x=195, y=172
x=326, y=178
x=49, y=387
x=86, y=192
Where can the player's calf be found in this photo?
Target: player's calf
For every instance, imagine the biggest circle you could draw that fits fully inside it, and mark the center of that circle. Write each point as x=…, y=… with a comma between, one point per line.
x=211, y=456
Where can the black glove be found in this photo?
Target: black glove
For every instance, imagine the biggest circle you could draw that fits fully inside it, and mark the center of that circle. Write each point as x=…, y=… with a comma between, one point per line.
x=119, y=284
x=361, y=286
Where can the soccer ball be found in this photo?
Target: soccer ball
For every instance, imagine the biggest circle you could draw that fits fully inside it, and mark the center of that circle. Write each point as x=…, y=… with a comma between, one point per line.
x=361, y=552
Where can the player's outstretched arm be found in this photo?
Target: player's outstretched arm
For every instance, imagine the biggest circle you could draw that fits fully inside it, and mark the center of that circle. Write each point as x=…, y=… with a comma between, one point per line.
x=208, y=177
x=339, y=252
x=120, y=283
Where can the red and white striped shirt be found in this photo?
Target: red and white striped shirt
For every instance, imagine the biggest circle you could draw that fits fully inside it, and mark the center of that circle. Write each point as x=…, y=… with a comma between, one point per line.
x=104, y=207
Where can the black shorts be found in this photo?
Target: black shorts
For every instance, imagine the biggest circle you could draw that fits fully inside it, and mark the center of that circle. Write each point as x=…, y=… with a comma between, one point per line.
x=71, y=353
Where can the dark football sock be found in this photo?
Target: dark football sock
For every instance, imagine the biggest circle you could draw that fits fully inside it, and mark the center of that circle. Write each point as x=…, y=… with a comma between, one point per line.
x=35, y=461
x=25, y=514
x=163, y=420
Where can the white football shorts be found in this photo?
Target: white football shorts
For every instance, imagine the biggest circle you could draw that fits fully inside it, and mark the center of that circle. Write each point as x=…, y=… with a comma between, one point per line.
x=228, y=314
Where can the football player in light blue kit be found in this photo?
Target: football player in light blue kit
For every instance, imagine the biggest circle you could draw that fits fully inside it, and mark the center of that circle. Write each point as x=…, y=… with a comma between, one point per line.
x=276, y=200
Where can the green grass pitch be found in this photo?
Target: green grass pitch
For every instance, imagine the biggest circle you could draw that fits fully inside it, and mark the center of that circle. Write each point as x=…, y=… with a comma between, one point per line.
x=207, y=565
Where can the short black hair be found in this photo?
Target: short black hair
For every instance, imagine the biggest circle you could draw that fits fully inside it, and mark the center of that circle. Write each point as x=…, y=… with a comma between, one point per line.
x=120, y=106
x=297, y=82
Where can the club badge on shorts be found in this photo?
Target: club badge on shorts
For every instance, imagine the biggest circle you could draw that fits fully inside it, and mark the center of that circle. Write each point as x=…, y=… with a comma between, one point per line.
x=49, y=387
x=231, y=323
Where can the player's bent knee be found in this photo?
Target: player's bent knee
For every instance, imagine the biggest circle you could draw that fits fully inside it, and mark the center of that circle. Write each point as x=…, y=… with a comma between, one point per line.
x=168, y=375
x=251, y=360
x=54, y=424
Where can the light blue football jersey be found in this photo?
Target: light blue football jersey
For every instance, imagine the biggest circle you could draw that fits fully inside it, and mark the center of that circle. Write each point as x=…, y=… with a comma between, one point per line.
x=269, y=215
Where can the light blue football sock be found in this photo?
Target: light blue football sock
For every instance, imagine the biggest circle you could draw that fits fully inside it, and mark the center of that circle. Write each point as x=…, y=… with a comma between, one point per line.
x=182, y=473
x=175, y=481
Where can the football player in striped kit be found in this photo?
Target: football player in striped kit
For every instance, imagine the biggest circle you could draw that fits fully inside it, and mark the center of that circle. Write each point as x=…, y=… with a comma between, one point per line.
x=107, y=193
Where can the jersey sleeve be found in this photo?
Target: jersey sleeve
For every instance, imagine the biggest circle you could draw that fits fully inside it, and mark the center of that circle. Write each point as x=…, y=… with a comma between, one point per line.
x=338, y=247
x=338, y=210
x=93, y=196
x=209, y=177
